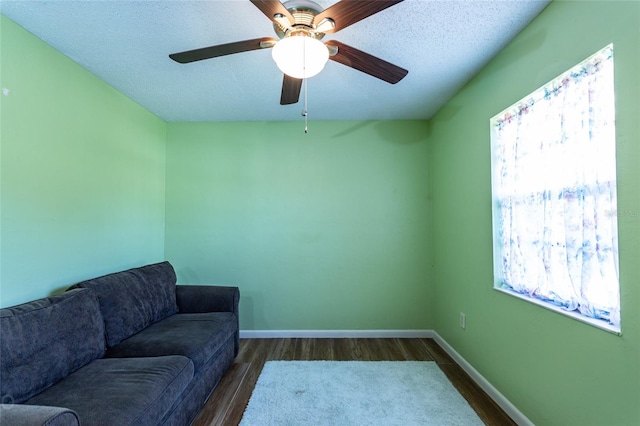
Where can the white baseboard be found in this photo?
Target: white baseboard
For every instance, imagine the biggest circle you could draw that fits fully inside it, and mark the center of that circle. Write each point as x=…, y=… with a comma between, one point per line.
x=336, y=334
x=486, y=386
x=493, y=393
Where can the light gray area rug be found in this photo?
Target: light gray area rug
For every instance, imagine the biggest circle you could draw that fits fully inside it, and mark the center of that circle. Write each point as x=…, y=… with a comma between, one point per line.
x=356, y=393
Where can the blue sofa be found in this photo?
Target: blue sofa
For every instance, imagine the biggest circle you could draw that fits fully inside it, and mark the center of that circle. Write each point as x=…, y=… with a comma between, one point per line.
x=129, y=348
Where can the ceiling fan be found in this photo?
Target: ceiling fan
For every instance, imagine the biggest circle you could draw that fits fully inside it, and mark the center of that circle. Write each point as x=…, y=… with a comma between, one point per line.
x=298, y=51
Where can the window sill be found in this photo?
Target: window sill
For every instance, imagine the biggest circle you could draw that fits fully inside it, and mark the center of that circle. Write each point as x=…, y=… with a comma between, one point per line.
x=591, y=321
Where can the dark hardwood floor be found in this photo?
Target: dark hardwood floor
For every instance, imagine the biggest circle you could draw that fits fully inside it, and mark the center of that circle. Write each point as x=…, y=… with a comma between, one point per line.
x=228, y=402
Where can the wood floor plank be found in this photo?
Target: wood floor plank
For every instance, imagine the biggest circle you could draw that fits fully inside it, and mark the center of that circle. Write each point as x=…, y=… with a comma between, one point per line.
x=228, y=402
x=366, y=349
x=234, y=413
x=342, y=350
x=222, y=398
x=415, y=350
x=285, y=350
x=355, y=349
x=483, y=405
x=438, y=354
x=393, y=348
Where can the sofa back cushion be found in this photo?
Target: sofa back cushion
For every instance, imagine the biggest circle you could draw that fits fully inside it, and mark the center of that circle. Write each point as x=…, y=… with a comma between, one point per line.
x=43, y=341
x=132, y=300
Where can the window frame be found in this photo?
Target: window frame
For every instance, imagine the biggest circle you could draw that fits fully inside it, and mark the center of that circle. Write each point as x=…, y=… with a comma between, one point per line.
x=498, y=275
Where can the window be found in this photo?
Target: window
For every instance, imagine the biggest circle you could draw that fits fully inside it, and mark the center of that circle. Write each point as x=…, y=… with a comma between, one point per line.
x=554, y=195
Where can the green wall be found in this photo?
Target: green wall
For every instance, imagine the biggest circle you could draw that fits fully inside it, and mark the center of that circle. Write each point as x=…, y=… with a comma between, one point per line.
x=356, y=225
x=325, y=230
x=556, y=370
x=82, y=173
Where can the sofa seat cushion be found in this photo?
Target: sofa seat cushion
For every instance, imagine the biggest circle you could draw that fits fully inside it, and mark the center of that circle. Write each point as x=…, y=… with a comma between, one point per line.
x=45, y=340
x=196, y=336
x=132, y=391
x=134, y=299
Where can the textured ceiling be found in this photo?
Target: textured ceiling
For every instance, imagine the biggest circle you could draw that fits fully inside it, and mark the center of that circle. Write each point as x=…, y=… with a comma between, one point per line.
x=127, y=43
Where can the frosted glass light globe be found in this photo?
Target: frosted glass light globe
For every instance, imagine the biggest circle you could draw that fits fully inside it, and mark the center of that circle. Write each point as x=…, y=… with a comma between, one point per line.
x=300, y=56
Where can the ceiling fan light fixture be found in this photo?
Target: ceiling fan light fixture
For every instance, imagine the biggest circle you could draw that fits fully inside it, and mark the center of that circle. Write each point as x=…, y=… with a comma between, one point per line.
x=300, y=55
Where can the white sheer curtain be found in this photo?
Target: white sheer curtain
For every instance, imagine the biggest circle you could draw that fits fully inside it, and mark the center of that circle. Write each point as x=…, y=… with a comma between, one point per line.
x=555, y=189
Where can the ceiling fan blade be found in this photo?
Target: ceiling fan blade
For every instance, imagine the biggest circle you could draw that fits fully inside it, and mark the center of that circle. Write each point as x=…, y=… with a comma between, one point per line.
x=290, y=90
x=368, y=64
x=271, y=8
x=348, y=12
x=222, y=49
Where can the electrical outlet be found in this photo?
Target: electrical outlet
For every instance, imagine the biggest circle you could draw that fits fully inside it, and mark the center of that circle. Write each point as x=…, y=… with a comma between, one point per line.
x=463, y=321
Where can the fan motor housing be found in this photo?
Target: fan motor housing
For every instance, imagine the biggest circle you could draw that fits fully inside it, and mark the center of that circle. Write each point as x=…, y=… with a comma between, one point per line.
x=303, y=12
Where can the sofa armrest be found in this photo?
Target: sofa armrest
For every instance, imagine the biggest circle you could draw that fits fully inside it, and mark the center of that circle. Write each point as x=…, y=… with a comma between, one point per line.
x=37, y=415
x=203, y=298
x=195, y=299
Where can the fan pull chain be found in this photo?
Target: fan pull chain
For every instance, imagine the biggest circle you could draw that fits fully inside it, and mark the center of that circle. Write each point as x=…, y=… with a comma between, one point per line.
x=304, y=110
x=304, y=82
